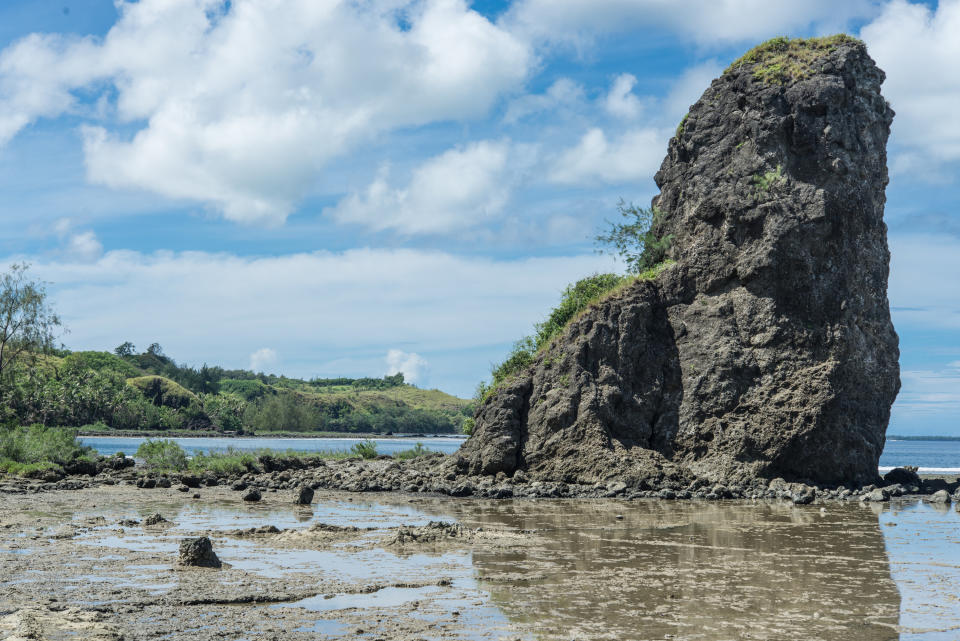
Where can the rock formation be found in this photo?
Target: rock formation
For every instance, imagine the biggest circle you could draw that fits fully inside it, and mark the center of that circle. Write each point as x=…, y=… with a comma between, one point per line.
x=198, y=552
x=767, y=348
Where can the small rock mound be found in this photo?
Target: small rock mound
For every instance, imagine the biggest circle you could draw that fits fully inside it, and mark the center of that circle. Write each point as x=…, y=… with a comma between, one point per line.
x=198, y=552
x=432, y=532
x=155, y=519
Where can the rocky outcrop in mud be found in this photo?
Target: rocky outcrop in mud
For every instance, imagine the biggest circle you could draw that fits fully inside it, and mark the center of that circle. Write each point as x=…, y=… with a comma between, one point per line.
x=198, y=552
x=767, y=349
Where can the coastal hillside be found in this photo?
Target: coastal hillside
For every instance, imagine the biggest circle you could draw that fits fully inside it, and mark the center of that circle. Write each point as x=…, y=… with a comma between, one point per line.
x=149, y=391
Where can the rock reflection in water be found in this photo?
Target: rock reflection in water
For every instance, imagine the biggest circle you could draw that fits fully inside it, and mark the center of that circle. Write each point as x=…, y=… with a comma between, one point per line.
x=691, y=570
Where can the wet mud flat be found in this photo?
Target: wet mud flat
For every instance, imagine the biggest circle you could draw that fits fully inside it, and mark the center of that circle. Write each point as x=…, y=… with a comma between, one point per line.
x=86, y=564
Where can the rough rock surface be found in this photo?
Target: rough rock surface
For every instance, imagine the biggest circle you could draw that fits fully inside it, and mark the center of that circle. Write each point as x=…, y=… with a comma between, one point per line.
x=198, y=552
x=767, y=349
x=304, y=495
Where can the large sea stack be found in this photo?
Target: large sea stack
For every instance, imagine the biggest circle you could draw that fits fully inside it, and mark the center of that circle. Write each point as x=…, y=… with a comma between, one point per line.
x=766, y=349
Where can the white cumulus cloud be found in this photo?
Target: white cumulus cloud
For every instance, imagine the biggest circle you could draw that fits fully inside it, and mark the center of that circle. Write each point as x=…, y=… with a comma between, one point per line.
x=84, y=246
x=460, y=188
x=621, y=101
x=918, y=48
x=410, y=364
x=263, y=360
x=632, y=156
x=244, y=103
x=335, y=314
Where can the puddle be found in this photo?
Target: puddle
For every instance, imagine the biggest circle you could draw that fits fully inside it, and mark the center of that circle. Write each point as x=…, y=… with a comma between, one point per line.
x=923, y=543
x=591, y=570
x=343, y=563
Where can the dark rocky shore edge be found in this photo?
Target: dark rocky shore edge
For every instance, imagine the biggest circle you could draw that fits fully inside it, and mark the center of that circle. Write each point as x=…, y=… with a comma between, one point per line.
x=436, y=474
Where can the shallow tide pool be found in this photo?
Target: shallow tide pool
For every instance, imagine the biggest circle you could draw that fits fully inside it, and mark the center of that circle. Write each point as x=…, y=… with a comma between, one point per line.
x=573, y=569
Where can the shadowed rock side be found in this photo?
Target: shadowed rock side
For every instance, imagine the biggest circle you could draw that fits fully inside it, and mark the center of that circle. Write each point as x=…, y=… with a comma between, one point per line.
x=767, y=349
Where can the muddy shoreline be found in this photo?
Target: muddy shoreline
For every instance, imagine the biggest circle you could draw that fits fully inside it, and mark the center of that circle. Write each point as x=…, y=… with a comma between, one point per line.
x=84, y=563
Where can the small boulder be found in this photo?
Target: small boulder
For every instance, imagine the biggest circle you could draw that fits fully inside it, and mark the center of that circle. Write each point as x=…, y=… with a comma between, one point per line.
x=253, y=494
x=906, y=475
x=940, y=496
x=198, y=552
x=238, y=486
x=156, y=519
x=190, y=480
x=932, y=486
x=304, y=495
x=878, y=495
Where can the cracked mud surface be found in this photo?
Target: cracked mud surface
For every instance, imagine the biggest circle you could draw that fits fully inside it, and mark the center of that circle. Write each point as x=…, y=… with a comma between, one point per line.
x=394, y=566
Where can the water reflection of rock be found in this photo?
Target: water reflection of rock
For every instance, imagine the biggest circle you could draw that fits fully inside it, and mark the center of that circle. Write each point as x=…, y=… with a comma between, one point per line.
x=691, y=570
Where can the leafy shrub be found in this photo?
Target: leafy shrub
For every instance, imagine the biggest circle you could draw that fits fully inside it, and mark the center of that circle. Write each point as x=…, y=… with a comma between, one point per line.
x=412, y=453
x=640, y=242
x=365, y=449
x=468, y=425
x=225, y=410
x=248, y=389
x=162, y=454
x=99, y=361
x=231, y=462
x=38, y=444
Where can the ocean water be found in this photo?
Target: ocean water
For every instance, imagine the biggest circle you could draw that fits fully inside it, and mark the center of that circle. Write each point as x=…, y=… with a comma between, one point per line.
x=110, y=445
x=929, y=456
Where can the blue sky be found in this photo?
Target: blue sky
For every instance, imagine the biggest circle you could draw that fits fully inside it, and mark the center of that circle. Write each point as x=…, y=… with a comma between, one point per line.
x=355, y=188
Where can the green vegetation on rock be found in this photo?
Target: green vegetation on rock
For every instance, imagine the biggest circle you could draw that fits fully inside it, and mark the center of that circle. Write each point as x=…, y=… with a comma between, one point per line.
x=640, y=242
x=783, y=60
x=764, y=182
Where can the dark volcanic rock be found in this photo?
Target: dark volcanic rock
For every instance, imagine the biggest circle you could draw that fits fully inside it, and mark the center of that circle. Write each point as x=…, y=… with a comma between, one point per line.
x=903, y=475
x=198, y=552
x=304, y=495
x=767, y=348
x=253, y=494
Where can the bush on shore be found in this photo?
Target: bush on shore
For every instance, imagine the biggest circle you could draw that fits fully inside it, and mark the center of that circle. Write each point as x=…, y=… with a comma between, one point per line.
x=416, y=451
x=162, y=454
x=25, y=449
x=365, y=449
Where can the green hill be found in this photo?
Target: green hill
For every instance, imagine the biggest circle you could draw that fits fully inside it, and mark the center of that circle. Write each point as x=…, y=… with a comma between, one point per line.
x=150, y=391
